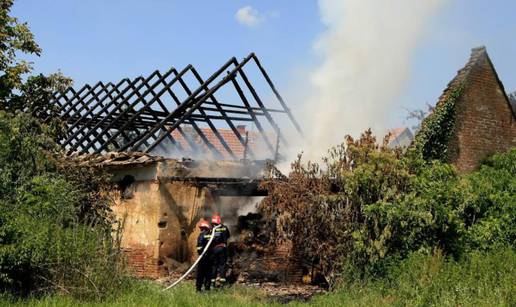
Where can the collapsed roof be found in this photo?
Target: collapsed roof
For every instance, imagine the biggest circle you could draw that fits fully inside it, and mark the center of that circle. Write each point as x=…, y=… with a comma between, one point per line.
x=149, y=114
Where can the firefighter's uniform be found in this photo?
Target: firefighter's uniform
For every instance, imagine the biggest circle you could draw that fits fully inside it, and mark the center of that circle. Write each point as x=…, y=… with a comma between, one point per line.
x=204, y=268
x=220, y=252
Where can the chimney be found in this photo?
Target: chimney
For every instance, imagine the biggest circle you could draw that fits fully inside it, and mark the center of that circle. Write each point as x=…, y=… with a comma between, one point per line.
x=241, y=129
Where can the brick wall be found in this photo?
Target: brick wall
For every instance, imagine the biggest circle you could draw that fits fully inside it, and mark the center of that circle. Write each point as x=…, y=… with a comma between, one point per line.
x=140, y=264
x=485, y=123
x=285, y=263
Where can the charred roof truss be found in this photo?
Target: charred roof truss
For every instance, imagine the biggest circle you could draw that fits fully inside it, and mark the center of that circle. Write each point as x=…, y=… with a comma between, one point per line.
x=141, y=114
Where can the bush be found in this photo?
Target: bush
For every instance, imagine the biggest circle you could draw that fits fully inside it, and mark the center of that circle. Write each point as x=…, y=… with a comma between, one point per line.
x=55, y=224
x=55, y=227
x=369, y=206
x=489, y=208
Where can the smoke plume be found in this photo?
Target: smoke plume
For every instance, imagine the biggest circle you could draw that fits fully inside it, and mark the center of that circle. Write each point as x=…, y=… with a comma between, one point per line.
x=366, y=53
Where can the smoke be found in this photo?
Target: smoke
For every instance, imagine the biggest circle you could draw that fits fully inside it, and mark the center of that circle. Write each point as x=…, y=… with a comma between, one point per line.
x=366, y=52
x=231, y=208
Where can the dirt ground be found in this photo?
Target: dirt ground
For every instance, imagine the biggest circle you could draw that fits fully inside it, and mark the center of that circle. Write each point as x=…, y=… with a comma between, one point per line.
x=278, y=292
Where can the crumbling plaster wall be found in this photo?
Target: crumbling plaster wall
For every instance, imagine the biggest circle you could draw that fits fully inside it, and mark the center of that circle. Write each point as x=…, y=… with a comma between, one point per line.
x=159, y=213
x=159, y=225
x=181, y=207
x=138, y=213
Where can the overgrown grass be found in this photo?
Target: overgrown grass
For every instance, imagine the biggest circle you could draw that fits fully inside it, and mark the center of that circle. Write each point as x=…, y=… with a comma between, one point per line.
x=483, y=279
x=143, y=293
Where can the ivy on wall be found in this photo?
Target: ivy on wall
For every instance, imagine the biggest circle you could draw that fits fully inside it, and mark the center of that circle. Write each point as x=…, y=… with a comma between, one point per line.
x=431, y=141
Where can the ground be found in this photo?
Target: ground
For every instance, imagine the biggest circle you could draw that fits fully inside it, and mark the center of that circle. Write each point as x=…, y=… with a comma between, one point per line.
x=151, y=294
x=484, y=279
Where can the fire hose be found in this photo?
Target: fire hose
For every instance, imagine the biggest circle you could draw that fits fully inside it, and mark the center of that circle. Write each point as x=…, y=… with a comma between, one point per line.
x=196, y=261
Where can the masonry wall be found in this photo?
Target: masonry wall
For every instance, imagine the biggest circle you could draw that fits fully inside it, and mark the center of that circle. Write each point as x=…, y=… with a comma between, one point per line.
x=137, y=210
x=485, y=123
x=159, y=220
x=160, y=211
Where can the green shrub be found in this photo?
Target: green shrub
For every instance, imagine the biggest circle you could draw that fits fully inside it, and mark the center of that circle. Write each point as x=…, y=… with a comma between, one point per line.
x=489, y=209
x=431, y=141
x=55, y=226
x=367, y=207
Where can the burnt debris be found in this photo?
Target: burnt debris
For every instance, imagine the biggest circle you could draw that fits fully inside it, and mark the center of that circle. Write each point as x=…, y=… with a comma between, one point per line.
x=175, y=109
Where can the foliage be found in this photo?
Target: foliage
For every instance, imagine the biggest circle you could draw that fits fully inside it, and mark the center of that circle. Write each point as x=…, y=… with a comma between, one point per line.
x=481, y=279
x=15, y=92
x=26, y=151
x=368, y=207
x=489, y=207
x=34, y=95
x=55, y=225
x=15, y=37
x=144, y=293
x=55, y=222
x=432, y=140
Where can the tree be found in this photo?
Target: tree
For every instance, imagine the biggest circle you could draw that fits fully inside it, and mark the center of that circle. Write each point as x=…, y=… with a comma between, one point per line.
x=15, y=37
x=55, y=222
x=16, y=93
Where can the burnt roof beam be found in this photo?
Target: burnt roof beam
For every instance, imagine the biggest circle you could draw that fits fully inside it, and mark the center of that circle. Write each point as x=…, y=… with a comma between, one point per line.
x=118, y=106
x=192, y=106
x=147, y=104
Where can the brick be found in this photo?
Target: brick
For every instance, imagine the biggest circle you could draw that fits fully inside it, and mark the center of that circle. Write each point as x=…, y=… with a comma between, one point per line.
x=485, y=122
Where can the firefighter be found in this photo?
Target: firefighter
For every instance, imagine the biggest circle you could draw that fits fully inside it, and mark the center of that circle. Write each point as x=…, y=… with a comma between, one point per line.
x=220, y=251
x=204, y=268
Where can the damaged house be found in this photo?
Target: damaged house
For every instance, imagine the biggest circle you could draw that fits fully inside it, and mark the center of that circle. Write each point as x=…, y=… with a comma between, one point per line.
x=180, y=148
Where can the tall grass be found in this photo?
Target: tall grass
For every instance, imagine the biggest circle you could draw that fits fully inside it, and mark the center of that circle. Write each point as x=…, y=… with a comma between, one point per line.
x=144, y=293
x=481, y=279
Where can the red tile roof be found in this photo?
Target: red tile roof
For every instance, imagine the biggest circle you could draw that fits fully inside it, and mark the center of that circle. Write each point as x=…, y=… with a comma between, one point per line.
x=256, y=143
x=395, y=133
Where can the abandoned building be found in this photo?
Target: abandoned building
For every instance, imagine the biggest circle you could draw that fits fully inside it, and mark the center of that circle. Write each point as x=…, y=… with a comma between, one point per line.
x=485, y=122
x=180, y=148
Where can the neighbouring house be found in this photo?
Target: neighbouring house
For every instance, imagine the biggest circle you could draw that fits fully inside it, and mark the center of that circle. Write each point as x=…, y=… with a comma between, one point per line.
x=472, y=119
x=252, y=146
x=400, y=137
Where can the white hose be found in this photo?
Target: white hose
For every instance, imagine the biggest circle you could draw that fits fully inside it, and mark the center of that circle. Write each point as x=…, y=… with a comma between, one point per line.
x=196, y=261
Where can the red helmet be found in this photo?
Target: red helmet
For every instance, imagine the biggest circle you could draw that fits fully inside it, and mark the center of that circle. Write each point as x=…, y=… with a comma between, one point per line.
x=216, y=219
x=204, y=224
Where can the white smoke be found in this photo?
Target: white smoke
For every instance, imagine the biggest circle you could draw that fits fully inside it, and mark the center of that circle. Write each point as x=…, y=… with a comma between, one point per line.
x=366, y=53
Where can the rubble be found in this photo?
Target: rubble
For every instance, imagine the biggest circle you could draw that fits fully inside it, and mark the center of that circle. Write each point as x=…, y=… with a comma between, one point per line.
x=282, y=293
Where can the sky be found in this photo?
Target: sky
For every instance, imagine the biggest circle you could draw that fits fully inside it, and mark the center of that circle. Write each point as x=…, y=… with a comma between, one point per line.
x=109, y=40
